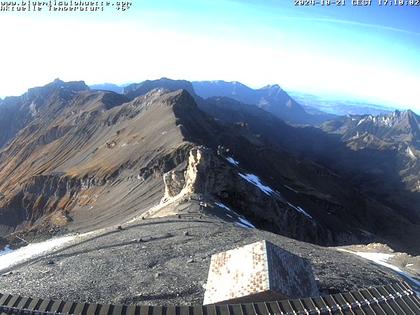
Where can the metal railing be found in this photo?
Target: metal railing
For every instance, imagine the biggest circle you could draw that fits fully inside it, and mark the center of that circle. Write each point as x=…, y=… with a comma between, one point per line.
x=395, y=298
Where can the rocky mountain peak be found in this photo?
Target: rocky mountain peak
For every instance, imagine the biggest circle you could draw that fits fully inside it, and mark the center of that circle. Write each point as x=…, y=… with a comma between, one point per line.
x=137, y=89
x=271, y=98
x=41, y=94
x=178, y=99
x=181, y=99
x=18, y=111
x=410, y=117
x=272, y=87
x=406, y=121
x=57, y=84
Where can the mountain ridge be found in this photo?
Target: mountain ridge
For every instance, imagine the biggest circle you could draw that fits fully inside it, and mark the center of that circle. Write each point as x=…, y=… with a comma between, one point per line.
x=271, y=98
x=71, y=165
x=18, y=111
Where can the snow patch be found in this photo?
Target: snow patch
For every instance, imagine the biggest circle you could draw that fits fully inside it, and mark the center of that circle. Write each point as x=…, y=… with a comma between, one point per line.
x=301, y=210
x=221, y=205
x=411, y=153
x=245, y=223
x=6, y=250
x=232, y=161
x=32, y=108
x=34, y=250
x=379, y=258
x=361, y=121
x=382, y=259
x=242, y=222
x=255, y=180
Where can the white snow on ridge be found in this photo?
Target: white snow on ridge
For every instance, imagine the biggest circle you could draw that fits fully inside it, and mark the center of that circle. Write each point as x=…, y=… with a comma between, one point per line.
x=242, y=221
x=221, y=205
x=305, y=213
x=232, y=161
x=32, y=251
x=361, y=121
x=32, y=108
x=245, y=223
x=379, y=258
x=382, y=259
x=411, y=153
x=35, y=250
x=299, y=209
x=255, y=180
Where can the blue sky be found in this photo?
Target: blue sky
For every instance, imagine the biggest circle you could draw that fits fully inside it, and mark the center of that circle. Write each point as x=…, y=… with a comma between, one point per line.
x=367, y=53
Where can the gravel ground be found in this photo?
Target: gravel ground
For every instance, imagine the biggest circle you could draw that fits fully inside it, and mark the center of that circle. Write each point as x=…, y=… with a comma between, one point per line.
x=166, y=261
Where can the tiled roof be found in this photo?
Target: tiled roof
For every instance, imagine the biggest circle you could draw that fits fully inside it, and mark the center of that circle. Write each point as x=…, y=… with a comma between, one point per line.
x=396, y=298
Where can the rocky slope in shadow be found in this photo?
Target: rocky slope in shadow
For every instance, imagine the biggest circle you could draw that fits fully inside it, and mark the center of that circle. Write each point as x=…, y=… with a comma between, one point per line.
x=354, y=187
x=396, y=138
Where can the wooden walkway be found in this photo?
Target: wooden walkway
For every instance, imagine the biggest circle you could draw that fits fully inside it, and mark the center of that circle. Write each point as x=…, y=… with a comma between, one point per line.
x=396, y=298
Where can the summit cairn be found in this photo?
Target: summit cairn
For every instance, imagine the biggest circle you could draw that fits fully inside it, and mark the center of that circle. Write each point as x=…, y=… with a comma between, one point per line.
x=258, y=272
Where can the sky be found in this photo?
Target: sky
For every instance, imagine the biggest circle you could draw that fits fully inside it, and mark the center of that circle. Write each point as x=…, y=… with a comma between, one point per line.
x=359, y=53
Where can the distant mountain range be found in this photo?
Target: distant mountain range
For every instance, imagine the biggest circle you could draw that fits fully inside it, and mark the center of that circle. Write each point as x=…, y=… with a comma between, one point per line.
x=324, y=108
x=271, y=98
x=17, y=112
x=108, y=87
x=397, y=132
x=75, y=155
x=338, y=106
x=396, y=127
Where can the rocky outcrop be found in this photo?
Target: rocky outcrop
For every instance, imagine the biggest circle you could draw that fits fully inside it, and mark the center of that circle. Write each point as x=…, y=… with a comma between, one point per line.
x=205, y=174
x=40, y=197
x=216, y=181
